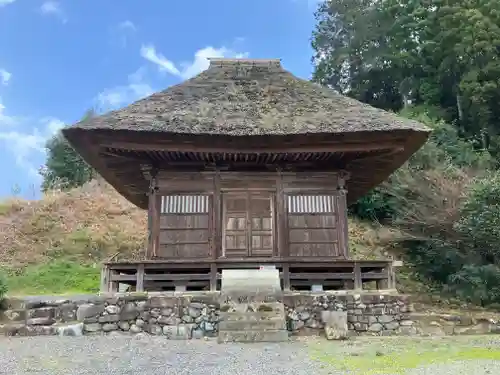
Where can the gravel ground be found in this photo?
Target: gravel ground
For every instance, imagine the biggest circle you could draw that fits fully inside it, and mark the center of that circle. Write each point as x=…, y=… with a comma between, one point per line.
x=148, y=355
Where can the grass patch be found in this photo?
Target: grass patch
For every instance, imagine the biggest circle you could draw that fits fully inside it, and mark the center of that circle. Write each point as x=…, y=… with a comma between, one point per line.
x=373, y=356
x=55, y=278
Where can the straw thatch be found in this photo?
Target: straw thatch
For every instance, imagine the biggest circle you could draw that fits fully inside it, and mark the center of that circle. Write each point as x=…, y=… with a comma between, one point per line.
x=241, y=98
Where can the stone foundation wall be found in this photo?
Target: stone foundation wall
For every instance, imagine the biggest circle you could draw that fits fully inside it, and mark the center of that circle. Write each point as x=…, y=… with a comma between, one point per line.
x=196, y=315
x=367, y=314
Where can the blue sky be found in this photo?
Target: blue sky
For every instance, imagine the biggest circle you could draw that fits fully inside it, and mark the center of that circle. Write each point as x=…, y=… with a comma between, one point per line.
x=61, y=58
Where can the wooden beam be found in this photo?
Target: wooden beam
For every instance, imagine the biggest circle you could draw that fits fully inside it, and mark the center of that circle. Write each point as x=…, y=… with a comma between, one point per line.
x=334, y=147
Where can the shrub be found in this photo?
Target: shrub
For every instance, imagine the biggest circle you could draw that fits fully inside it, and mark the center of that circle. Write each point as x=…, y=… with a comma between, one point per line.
x=479, y=223
x=457, y=243
x=445, y=153
x=479, y=285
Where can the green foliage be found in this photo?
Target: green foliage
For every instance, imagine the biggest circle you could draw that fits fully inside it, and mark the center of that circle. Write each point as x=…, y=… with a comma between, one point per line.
x=477, y=284
x=391, y=53
x=57, y=277
x=480, y=218
x=64, y=168
x=3, y=286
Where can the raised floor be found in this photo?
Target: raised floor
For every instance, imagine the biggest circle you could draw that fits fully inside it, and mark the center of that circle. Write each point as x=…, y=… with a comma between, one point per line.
x=295, y=274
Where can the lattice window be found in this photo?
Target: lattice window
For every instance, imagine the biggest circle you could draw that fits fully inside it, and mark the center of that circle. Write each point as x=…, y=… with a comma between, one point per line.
x=310, y=204
x=184, y=204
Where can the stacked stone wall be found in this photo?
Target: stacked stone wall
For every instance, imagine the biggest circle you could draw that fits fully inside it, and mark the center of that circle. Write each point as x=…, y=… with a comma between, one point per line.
x=197, y=315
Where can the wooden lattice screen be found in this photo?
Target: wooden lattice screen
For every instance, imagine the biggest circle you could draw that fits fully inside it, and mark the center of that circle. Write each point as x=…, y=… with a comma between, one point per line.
x=185, y=226
x=312, y=225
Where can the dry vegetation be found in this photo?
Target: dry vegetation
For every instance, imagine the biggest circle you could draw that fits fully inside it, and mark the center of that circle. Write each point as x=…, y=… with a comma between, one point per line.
x=84, y=225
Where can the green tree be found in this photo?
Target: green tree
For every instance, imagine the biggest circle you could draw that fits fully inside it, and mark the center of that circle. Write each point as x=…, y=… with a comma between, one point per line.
x=439, y=53
x=64, y=168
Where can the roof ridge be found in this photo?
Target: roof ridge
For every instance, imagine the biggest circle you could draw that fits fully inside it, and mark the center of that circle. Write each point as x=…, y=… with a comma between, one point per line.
x=221, y=62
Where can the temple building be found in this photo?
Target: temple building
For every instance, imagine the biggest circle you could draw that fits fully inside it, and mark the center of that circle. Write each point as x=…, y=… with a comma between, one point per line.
x=243, y=166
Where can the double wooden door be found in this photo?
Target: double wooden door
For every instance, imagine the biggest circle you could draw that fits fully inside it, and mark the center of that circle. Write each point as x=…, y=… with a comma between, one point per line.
x=248, y=223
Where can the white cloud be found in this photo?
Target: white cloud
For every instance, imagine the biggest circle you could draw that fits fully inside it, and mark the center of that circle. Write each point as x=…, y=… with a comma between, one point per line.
x=6, y=2
x=5, y=76
x=150, y=54
x=136, y=88
x=121, y=33
x=128, y=25
x=53, y=8
x=25, y=144
x=187, y=70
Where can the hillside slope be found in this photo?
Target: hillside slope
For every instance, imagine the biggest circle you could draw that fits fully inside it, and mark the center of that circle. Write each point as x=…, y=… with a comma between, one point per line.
x=87, y=225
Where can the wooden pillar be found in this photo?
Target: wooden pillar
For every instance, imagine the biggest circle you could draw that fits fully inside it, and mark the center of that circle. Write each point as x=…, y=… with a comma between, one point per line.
x=281, y=235
x=105, y=275
x=139, y=286
x=341, y=203
x=153, y=218
x=216, y=229
x=358, y=281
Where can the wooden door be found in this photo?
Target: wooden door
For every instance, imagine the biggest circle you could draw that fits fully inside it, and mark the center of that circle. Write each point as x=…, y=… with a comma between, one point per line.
x=248, y=224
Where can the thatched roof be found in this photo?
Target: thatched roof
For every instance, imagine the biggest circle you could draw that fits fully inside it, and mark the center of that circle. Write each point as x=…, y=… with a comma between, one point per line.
x=248, y=97
x=240, y=98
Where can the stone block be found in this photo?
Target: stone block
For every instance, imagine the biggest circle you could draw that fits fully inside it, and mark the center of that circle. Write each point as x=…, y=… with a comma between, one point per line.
x=15, y=315
x=75, y=329
x=38, y=330
x=253, y=336
x=46, y=321
x=66, y=312
x=155, y=329
x=246, y=325
x=335, y=324
x=134, y=328
x=92, y=327
x=108, y=319
x=129, y=312
x=108, y=327
x=42, y=312
x=124, y=326
x=11, y=329
x=88, y=311
x=264, y=281
x=162, y=302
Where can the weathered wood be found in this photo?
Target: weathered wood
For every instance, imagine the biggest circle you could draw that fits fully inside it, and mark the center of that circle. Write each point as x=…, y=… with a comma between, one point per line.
x=358, y=281
x=350, y=274
x=286, y=277
x=281, y=219
x=105, y=274
x=139, y=286
x=214, y=276
x=187, y=147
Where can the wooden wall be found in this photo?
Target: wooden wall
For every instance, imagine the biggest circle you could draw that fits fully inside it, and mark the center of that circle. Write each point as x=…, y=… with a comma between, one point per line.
x=238, y=215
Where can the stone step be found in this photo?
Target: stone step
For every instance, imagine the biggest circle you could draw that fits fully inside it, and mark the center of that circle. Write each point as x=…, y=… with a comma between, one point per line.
x=253, y=336
x=253, y=307
x=249, y=297
x=249, y=325
x=252, y=316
